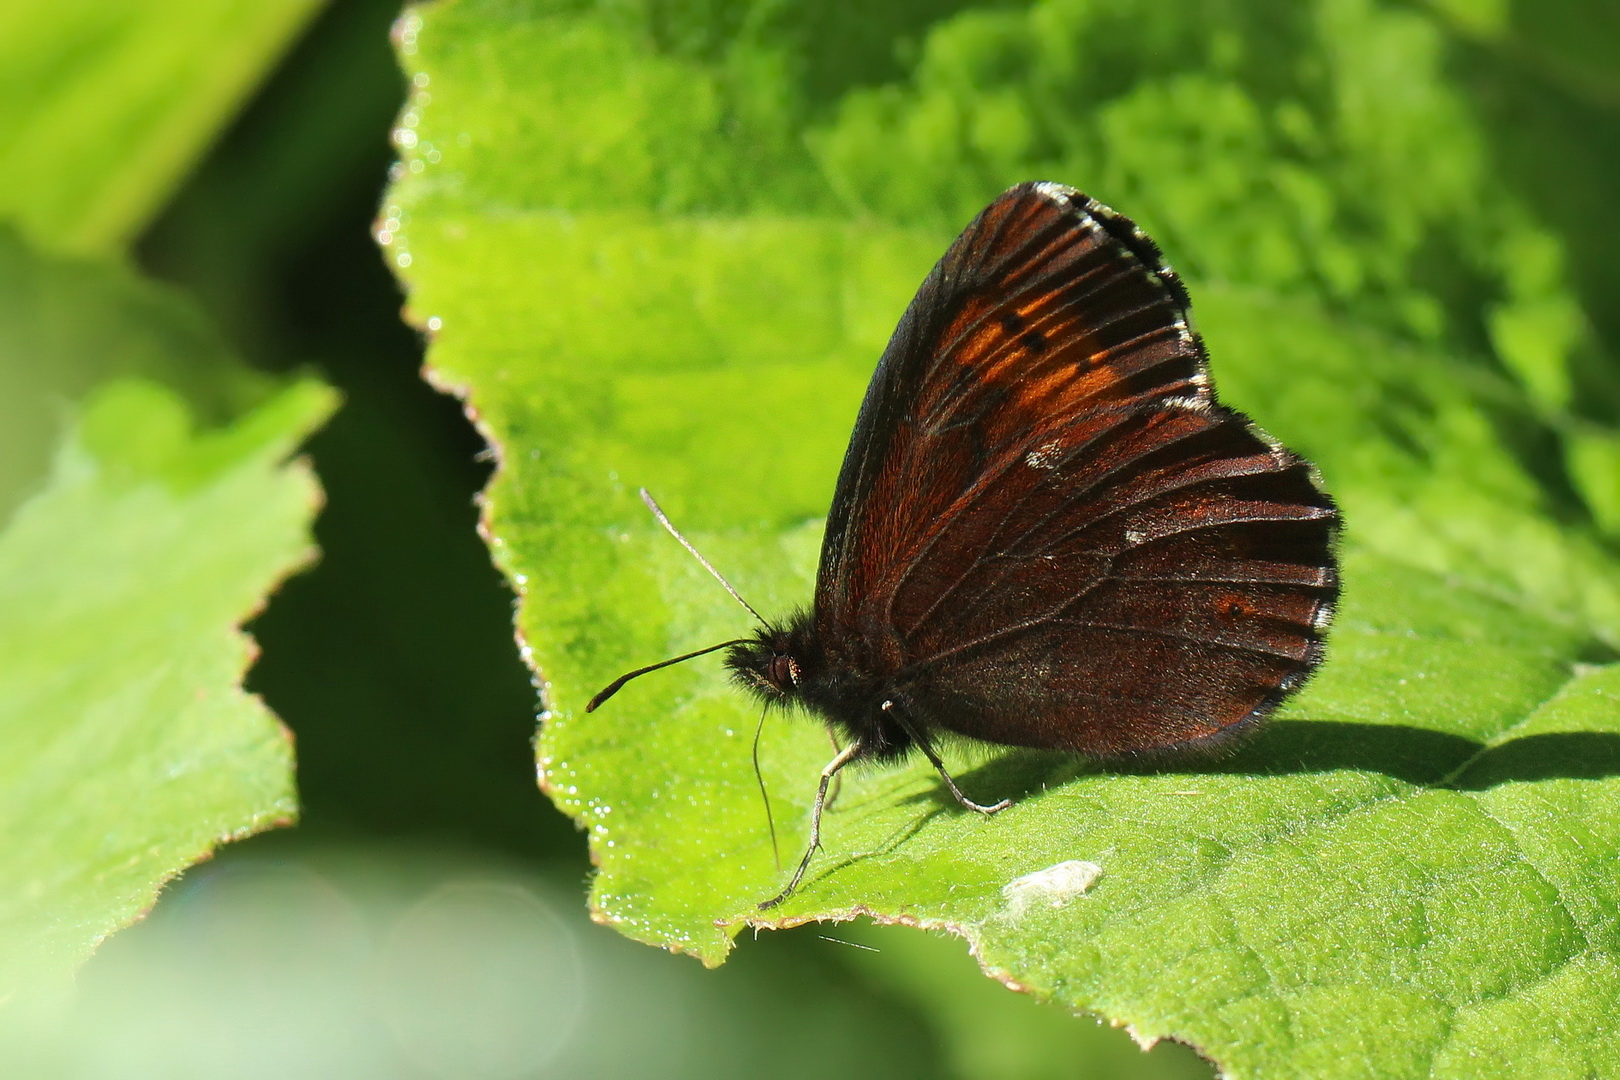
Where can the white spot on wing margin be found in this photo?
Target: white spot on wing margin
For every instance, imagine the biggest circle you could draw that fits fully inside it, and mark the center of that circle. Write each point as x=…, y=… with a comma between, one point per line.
x=1045, y=456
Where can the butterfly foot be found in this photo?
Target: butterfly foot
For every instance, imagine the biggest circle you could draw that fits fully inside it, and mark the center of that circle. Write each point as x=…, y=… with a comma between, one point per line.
x=945, y=775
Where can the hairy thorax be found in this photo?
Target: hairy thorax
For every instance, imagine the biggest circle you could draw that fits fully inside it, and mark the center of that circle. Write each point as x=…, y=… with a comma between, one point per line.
x=791, y=665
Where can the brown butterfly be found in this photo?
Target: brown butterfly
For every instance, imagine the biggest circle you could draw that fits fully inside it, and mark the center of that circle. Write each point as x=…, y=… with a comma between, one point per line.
x=1046, y=531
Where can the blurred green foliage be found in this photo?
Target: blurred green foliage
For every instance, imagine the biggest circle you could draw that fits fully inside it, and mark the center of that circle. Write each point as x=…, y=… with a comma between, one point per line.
x=131, y=747
x=382, y=962
x=109, y=103
x=133, y=540
x=68, y=325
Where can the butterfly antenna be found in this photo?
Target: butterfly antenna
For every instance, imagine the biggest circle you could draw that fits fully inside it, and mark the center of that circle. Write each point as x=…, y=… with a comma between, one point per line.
x=770, y=819
x=663, y=519
x=614, y=687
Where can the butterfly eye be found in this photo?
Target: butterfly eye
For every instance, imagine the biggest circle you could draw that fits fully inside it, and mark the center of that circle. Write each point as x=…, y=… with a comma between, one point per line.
x=782, y=671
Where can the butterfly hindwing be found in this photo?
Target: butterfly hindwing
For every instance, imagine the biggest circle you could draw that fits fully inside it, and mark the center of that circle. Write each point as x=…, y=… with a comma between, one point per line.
x=1047, y=531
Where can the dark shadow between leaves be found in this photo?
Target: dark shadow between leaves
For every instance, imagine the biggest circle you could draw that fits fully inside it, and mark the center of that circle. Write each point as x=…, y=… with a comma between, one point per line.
x=1289, y=747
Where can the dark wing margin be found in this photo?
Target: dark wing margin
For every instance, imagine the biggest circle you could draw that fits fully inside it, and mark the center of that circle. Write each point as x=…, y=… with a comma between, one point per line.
x=1045, y=524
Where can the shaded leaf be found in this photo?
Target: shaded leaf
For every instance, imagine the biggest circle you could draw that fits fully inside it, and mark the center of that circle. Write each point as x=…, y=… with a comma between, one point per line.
x=67, y=325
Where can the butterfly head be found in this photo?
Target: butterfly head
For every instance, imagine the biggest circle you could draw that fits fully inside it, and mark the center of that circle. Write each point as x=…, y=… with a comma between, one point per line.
x=771, y=664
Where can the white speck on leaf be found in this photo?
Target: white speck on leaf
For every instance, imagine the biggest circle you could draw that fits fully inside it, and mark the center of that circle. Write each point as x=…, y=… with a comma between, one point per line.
x=1053, y=887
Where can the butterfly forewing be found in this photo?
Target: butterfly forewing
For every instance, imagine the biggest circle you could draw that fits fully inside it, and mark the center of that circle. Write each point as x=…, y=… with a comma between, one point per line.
x=1046, y=531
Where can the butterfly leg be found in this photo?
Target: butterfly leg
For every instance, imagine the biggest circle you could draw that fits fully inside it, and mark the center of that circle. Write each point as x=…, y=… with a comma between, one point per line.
x=838, y=781
x=939, y=766
x=845, y=756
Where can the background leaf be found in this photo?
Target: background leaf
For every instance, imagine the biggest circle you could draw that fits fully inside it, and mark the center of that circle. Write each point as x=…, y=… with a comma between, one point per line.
x=145, y=506
x=67, y=325
x=129, y=760
x=109, y=103
x=676, y=266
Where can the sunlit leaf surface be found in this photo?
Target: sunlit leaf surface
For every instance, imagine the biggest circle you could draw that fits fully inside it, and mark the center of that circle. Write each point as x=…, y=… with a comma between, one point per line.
x=660, y=254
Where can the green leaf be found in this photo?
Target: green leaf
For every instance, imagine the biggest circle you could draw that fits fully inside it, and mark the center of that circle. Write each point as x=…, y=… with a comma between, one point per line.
x=1413, y=869
x=131, y=749
x=108, y=104
x=1561, y=42
x=67, y=325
